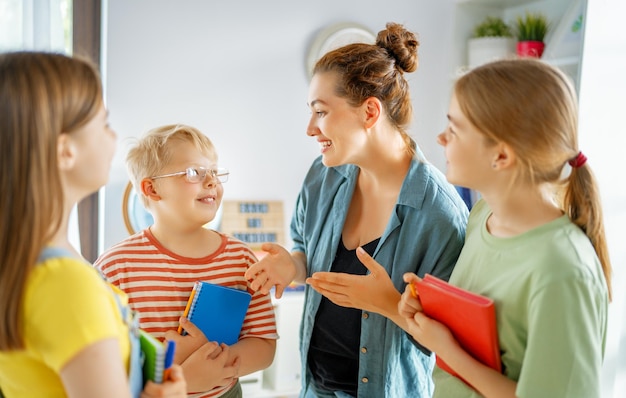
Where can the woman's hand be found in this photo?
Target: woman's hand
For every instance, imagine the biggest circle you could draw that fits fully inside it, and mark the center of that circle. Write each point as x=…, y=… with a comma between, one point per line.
x=276, y=269
x=174, y=386
x=373, y=292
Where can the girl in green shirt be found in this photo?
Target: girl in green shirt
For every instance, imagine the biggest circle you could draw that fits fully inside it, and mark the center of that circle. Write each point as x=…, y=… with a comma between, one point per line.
x=535, y=242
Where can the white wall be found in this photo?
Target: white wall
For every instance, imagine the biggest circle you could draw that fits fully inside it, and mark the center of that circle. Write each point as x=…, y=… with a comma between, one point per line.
x=603, y=139
x=236, y=70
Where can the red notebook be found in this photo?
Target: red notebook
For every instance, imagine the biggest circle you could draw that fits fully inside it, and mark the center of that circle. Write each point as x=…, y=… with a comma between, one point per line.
x=470, y=317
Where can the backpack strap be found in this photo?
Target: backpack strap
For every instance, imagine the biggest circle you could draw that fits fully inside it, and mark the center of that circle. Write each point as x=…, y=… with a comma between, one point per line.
x=49, y=252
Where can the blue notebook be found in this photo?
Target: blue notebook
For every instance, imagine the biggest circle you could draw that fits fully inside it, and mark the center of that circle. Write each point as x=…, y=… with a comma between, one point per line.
x=218, y=311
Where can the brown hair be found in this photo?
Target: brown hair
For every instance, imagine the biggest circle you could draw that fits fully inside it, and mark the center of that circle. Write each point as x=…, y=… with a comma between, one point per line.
x=41, y=96
x=367, y=70
x=532, y=107
x=151, y=152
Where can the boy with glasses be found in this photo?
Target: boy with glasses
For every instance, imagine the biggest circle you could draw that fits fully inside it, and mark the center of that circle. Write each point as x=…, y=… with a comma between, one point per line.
x=174, y=170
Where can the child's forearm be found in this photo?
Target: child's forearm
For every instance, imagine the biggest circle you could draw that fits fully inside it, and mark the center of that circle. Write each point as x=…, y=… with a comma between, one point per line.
x=254, y=353
x=388, y=307
x=485, y=380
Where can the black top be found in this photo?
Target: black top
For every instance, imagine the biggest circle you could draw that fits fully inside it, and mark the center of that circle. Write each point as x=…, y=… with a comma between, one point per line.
x=334, y=350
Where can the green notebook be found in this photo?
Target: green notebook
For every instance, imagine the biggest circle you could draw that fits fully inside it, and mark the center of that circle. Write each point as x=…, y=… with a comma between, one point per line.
x=154, y=353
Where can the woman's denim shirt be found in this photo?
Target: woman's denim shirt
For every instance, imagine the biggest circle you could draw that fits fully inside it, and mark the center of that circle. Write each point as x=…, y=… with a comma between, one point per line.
x=424, y=235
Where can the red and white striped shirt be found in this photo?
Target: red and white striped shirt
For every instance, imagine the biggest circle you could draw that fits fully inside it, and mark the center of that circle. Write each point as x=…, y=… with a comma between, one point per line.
x=158, y=283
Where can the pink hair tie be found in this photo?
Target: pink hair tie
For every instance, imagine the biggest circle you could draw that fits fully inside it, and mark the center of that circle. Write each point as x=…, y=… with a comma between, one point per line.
x=578, y=161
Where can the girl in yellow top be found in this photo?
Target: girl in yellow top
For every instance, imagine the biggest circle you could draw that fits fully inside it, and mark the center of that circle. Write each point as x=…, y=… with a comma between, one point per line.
x=62, y=331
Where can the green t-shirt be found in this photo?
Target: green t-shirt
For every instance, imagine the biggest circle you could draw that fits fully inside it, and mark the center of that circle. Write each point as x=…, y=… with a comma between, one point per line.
x=551, y=306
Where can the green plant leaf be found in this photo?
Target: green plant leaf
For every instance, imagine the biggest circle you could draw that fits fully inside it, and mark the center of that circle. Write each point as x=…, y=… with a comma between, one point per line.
x=492, y=27
x=532, y=26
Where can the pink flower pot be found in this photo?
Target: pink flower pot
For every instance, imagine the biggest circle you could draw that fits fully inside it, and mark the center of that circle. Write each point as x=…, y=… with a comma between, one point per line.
x=530, y=48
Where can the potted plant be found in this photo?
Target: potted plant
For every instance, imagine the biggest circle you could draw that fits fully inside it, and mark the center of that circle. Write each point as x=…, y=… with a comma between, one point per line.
x=531, y=31
x=491, y=39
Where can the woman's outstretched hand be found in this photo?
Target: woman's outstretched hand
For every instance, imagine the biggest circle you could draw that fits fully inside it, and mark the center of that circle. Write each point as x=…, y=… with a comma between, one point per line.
x=373, y=292
x=275, y=269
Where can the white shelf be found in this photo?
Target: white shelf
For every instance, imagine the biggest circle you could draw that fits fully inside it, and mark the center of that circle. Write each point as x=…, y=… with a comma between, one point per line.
x=563, y=48
x=496, y=3
x=255, y=392
x=565, y=61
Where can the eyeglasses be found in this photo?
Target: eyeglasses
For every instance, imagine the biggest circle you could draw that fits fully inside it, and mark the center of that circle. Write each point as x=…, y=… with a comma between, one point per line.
x=195, y=175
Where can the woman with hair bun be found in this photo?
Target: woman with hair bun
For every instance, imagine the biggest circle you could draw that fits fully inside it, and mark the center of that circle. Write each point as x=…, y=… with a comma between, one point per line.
x=370, y=191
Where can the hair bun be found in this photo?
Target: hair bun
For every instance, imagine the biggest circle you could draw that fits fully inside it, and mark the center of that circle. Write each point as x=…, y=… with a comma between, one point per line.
x=401, y=44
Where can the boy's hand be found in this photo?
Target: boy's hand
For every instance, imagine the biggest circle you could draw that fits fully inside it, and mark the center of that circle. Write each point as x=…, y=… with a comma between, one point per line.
x=204, y=370
x=276, y=269
x=186, y=345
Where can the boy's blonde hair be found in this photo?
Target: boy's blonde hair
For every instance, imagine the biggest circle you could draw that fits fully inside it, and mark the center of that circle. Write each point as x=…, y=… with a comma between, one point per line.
x=151, y=152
